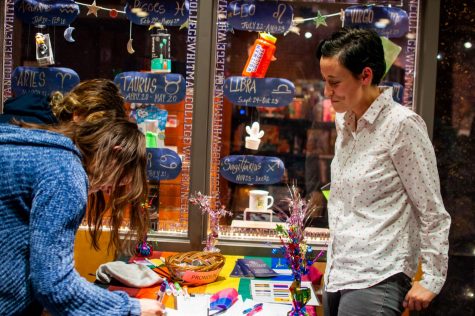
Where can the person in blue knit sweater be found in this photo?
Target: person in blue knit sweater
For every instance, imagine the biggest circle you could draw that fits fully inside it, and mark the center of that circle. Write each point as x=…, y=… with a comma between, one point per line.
x=47, y=174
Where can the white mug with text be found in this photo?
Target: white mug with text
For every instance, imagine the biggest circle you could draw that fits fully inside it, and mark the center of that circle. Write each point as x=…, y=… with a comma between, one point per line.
x=260, y=200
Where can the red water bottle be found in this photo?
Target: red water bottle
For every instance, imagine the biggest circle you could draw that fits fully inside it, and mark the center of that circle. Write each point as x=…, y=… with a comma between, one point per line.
x=261, y=56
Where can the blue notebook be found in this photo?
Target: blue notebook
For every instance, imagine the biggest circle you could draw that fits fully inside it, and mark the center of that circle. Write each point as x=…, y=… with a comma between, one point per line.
x=255, y=268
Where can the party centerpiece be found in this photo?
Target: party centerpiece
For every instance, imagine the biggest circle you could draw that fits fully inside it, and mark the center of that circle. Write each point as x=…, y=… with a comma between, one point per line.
x=204, y=202
x=296, y=250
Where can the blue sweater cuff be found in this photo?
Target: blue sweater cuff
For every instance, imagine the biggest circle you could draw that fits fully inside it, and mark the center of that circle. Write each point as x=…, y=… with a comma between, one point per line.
x=134, y=307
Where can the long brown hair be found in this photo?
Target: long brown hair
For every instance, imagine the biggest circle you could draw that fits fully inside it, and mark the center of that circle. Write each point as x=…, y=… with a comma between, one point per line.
x=114, y=157
x=90, y=97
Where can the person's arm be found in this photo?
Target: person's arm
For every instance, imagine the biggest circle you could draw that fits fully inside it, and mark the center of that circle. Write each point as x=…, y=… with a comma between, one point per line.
x=57, y=209
x=414, y=158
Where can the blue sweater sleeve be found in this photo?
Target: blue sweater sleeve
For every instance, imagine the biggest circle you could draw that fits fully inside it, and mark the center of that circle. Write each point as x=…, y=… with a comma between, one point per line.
x=58, y=208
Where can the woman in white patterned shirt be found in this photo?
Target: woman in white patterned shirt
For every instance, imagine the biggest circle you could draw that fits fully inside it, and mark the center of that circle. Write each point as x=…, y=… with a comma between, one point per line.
x=385, y=210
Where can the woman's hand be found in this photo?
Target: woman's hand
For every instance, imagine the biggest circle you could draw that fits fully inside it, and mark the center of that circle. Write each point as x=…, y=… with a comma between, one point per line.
x=418, y=297
x=150, y=307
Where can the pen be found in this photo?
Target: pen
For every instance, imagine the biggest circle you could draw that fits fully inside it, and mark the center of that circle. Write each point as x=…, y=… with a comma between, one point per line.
x=161, y=293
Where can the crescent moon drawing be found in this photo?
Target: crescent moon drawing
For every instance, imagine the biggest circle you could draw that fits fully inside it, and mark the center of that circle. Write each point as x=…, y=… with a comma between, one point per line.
x=130, y=49
x=68, y=34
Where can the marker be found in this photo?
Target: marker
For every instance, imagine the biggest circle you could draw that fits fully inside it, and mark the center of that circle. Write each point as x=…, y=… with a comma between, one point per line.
x=178, y=288
x=168, y=289
x=161, y=293
x=174, y=291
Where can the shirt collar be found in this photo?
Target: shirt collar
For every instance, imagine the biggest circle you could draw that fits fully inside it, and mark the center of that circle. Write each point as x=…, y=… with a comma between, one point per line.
x=385, y=97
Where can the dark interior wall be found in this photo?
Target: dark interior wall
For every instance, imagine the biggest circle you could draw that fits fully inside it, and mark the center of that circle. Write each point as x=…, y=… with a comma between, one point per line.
x=454, y=142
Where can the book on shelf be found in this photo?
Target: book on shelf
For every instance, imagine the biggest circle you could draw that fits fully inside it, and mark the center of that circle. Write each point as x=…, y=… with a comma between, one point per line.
x=252, y=268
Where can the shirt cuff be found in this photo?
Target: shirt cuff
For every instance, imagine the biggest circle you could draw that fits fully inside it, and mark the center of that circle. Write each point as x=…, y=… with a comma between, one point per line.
x=432, y=283
x=134, y=307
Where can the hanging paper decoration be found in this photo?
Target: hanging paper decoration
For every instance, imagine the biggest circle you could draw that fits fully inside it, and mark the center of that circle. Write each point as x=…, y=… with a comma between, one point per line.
x=47, y=13
x=255, y=135
x=268, y=92
x=243, y=169
x=92, y=9
x=398, y=90
x=162, y=164
x=258, y=16
x=68, y=34
x=390, y=22
x=320, y=20
x=113, y=13
x=148, y=12
x=43, y=81
x=130, y=49
x=391, y=51
x=141, y=87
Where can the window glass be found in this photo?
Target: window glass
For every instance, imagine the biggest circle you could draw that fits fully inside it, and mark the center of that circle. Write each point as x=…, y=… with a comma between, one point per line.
x=454, y=124
x=150, y=62
x=298, y=126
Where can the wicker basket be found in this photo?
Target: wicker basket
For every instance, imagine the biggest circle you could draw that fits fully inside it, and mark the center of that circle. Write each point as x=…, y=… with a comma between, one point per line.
x=195, y=267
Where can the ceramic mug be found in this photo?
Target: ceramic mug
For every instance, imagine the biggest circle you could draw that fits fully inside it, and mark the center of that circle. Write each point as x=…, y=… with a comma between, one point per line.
x=260, y=200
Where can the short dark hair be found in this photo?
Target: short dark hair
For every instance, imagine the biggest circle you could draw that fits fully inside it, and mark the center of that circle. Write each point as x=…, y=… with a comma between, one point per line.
x=356, y=49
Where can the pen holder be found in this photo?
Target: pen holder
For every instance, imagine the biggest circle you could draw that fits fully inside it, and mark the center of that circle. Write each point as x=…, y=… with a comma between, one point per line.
x=195, y=267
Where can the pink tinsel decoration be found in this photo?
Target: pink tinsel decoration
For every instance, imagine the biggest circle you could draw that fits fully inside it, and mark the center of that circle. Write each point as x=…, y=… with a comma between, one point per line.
x=204, y=203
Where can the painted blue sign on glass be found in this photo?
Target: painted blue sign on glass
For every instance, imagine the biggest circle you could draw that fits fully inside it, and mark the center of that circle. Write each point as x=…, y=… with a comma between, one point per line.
x=168, y=13
x=162, y=164
x=243, y=169
x=46, y=12
x=398, y=89
x=269, y=92
x=143, y=87
x=396, y=2
x=271, y=16
x=42, y=80
x=390, y=22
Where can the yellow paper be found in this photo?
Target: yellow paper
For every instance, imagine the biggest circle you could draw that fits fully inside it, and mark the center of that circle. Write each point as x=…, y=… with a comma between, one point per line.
x=391, y=51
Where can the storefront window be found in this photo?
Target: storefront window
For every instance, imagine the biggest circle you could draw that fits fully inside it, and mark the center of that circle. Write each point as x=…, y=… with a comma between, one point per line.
x=287, y=105
x=152, y=63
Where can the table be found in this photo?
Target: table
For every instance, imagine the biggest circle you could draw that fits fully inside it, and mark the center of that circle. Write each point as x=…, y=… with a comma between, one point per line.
x=242, y=285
